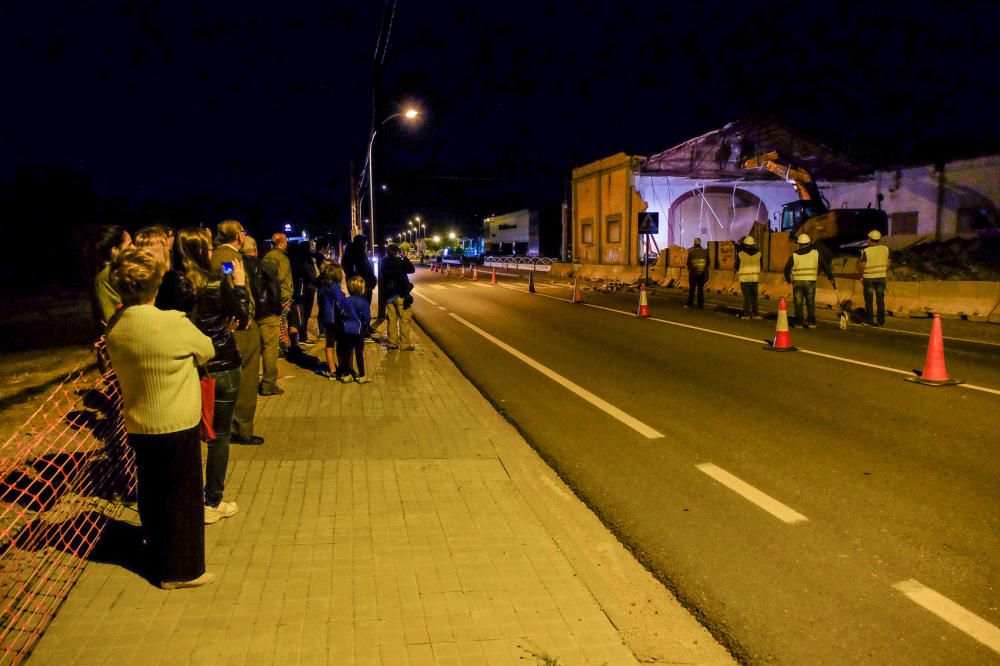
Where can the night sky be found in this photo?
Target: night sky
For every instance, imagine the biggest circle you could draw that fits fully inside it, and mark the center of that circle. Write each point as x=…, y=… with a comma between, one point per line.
x=268, y=103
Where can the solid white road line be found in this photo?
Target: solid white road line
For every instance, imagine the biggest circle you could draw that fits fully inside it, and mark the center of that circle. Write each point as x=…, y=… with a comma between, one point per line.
x=420, y=293
x=604, y=406
x=955, y=615
x=748, y=492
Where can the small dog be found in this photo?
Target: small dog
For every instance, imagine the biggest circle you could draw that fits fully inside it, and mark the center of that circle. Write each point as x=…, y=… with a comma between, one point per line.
x=845, y=314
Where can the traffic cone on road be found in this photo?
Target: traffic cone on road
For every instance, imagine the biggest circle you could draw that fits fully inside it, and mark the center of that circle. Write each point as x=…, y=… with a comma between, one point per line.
x=577, y=297
x=463, y=272
x=493, y=280
x=475, y=274
x=935, y=374
x=643, y=302
x=531, y=282
x=447, y=270
x=782, y=338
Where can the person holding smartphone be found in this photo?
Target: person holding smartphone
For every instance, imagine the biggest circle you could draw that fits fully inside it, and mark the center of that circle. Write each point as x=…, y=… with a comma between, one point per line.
x=227, y=255
x=216, y=304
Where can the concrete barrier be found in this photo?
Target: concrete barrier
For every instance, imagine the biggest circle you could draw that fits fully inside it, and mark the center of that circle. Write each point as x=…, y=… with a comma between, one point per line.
x=976, y=301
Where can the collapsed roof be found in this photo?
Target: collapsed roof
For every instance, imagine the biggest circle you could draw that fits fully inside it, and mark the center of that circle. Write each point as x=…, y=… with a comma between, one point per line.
x=720, y=153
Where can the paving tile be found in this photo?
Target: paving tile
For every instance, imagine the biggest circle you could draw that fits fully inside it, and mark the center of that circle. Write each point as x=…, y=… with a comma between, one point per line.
x=361, y=539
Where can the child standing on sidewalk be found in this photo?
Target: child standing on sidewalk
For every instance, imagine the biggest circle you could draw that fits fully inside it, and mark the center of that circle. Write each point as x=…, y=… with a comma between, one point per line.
x=356, y=325
x=332, y=301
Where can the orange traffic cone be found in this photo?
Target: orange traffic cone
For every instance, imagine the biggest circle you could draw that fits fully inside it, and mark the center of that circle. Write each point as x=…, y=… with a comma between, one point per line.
x=643, y=302
x=577, y=297
x=463, y=272
x=493, y=280
x=935, y=374
x=434, y=268
x=475, y=274
x=447, y=269
x=782, y=338
x=531, y=282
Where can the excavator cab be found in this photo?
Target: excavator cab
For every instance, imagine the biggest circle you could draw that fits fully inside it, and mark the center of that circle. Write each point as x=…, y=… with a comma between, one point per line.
x=795, y=214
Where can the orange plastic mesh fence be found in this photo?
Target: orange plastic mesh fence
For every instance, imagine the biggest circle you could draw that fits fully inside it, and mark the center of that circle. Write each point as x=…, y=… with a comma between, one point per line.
x=63, y=475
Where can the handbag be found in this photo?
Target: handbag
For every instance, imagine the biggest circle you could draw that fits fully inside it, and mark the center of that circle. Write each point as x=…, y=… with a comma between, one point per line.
x=205, y=429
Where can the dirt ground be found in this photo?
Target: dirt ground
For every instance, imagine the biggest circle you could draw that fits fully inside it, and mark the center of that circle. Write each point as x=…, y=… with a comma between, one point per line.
x=42, y=338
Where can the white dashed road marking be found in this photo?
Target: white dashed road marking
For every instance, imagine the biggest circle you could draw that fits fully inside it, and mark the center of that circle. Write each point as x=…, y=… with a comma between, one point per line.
x=748, y=492
x=438, y=286
x=955, y=615
x=601, y=404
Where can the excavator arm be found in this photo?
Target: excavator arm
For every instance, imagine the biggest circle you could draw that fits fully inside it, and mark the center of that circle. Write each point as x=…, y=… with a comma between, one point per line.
x=801, y=179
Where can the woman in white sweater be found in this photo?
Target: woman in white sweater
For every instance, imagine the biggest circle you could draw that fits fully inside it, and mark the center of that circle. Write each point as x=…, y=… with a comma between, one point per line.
x=155, y=354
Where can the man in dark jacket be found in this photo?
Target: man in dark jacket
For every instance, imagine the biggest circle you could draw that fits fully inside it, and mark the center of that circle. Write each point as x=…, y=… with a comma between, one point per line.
x=356, y=262
x=396, y=287
x=697, y=266
x=267, y=301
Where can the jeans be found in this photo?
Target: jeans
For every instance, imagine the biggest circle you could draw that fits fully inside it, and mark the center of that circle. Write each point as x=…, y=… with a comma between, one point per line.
x=696, y=282
x=399, y=322
x=804, y=291
x=749, y=290
x=874, y=287
x=346, y=344
x=227, y=387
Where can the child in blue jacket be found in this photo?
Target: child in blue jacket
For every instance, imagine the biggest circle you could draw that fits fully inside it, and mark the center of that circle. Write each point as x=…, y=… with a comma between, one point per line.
x=356, y=322
x=331, y=299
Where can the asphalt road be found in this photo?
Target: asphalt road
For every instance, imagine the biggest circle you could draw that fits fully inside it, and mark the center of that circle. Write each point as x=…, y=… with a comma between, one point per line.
x=809, y=507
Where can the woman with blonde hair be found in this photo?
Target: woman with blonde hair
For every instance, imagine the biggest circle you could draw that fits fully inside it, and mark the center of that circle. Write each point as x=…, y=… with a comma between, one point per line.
x=155, y=354
x=216, y=303
x=158, y=240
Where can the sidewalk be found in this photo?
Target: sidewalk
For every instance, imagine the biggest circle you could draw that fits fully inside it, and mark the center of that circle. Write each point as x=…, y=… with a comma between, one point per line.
x=398, y=522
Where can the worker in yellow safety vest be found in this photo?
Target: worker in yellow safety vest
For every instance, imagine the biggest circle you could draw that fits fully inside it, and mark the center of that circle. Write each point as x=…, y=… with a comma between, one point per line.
x=873, y=266
x=748, y=273
x=801, y=270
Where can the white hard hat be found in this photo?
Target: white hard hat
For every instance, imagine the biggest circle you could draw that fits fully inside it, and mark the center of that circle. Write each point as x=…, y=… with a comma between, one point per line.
x=875, y=234
x=749, y=241
x=803, y=239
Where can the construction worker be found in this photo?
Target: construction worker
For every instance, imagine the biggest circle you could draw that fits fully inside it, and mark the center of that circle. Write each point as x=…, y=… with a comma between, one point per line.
x=747, y=270
x=873, y=266
x=697, y=266
x=801, y=270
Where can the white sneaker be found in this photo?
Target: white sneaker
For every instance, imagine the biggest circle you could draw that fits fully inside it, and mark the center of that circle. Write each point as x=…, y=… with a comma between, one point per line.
x=346, y=379
x=224, y=510
x=362, y=380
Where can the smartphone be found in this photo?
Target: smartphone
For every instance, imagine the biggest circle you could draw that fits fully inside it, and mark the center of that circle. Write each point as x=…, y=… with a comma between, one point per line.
x=227, y=268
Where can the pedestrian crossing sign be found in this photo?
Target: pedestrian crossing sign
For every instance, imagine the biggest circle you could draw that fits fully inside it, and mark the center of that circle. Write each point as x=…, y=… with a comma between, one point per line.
x=649, y=223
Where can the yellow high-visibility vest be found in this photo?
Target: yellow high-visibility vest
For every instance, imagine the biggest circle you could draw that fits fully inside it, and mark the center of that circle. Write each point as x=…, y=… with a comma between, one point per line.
x=805, y=267
x=876, y=259
x=749, y=267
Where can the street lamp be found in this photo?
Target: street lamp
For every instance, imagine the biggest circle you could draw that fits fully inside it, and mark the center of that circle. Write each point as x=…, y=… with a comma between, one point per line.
x=409, y=114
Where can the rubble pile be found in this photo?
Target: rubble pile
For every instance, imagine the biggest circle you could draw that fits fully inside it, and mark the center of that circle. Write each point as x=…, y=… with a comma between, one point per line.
x=955, y=259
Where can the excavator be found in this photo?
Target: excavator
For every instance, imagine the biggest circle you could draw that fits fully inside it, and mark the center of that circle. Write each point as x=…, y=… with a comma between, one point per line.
x=811, y=214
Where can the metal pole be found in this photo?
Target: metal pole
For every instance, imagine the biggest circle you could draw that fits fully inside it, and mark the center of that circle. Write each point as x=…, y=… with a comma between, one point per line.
x=647, y=259
x=371, y=189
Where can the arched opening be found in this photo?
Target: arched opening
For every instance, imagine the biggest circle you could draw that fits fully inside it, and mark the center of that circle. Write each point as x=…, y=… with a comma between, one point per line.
x=714, y=213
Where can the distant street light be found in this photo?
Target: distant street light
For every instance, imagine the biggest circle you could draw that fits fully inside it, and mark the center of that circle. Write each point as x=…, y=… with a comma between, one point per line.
x=409, y=114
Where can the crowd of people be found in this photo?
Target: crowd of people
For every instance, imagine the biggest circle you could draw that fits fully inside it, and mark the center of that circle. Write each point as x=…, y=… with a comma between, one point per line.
x=192, y=319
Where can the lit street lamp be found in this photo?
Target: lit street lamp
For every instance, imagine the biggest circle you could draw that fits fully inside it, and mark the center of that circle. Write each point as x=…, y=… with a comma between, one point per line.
x=409, y=114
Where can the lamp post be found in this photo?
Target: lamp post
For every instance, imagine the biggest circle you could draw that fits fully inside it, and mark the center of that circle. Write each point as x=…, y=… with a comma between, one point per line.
x=409, y=114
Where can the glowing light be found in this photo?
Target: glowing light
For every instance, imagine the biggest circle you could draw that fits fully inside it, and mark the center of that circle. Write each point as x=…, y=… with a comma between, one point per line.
x=411, y=113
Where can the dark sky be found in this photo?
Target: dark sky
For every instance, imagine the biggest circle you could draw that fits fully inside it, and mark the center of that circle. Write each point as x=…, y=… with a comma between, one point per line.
x=271, y=101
